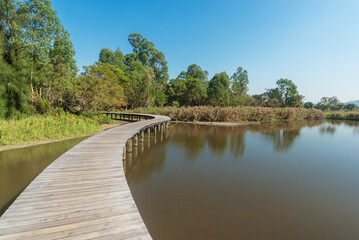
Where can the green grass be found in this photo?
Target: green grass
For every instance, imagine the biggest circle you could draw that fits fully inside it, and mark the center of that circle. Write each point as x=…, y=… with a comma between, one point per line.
x=37, y=128
x=232, y=114
x=342, y=115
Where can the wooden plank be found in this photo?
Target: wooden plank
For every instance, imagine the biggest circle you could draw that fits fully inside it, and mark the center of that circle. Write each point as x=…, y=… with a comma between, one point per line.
x=83, y=194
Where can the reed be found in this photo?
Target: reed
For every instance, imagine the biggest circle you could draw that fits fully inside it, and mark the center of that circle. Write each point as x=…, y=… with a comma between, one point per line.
x=37, y=128
x=232, y=114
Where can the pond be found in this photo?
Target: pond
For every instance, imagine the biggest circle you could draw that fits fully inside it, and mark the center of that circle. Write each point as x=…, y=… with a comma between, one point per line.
x=292, y=180
x=19, y=167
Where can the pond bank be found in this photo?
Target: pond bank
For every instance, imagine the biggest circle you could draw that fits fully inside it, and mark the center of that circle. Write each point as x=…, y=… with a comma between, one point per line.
x=103, y=127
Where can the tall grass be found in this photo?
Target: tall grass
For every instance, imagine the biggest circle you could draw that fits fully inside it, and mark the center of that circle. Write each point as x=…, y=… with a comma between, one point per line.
x=342, y=115
x=232, y=114
x=38, y=128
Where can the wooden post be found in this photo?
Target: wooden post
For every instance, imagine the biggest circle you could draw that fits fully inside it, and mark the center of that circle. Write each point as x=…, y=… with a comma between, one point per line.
x=129, y=145
x=148, y=133
x=136, y=141
x=124, y=154
x=154, y=130
x=142, y=138
x=161, y=136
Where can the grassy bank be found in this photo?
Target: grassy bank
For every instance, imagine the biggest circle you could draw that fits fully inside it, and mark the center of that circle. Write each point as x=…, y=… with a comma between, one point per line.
x=233, y=114
x=342, y=115
x=37, y=128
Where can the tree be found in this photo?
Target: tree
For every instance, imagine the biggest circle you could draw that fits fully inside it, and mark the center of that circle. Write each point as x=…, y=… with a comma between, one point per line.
x=284, y=95
x=308, y=105
x=145, y=52
x=101, y=87
x=240, y=82
x=195, y=72
x=218, y=90
x=327, y=103
x=115, y=58
x=186, y=92
x=349, y=106
x=139, y=86
x=289, y=93
x=38, y=51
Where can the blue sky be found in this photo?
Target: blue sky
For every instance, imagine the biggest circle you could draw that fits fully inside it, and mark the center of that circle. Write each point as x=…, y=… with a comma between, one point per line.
x=313, y=42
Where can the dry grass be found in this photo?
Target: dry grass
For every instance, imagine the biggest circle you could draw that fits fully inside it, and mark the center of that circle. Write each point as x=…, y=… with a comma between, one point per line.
x=233, y=114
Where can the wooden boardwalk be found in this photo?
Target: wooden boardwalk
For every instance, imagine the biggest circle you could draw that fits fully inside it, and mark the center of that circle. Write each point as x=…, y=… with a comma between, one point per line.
x=81, y=195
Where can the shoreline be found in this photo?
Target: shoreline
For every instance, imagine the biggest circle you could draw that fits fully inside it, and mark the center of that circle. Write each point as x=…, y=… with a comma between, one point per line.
x=103, y=127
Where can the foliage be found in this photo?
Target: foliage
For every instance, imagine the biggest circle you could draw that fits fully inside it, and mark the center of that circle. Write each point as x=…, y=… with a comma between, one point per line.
x=240, y=82
x=37, y=128
x=186, y=92
x=115, y=58
x=284, y=95
x=329, y=103
x=308, y=105
x=101, y=86
x=37, y=53
x=218, y=90
x=349, y=106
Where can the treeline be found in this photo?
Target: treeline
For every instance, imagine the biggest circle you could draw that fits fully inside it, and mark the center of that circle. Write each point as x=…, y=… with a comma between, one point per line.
x=331, y=104
x=38, y=72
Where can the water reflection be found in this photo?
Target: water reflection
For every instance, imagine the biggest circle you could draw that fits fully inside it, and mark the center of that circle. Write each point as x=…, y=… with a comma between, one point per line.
x=270, y=181
x=137, y=170
x=195, y=139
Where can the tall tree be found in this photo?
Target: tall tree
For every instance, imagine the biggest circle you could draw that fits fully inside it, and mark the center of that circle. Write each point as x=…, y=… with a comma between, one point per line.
x=145, y=52
x=195, y=72
x=240, y=82
x=218, y=90
x=38, y=49
x=115, y=58
x=138, y=90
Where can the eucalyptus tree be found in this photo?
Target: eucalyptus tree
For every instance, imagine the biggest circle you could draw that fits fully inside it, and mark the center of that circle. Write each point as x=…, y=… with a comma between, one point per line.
x=115, y=58
x=240, y=82
x=218, y=90
x=38, y=50
x=195, y=72
x=145, y=52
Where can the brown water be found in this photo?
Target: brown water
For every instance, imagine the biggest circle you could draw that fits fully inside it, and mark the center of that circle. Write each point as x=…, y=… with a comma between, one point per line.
x=19, y=167
x=273, y=181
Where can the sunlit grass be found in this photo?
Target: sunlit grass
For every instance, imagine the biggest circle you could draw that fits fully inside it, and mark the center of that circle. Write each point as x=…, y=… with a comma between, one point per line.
x=38, y=128
x=343, y=115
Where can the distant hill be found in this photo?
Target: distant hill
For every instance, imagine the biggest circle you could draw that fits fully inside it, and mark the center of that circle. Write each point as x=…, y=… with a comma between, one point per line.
x=355, y=102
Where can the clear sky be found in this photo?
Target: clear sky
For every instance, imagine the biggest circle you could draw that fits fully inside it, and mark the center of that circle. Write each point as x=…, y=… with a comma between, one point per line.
x=313, y=42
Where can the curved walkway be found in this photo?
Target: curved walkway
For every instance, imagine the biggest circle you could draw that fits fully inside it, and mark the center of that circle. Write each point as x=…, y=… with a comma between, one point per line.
x=81, y=195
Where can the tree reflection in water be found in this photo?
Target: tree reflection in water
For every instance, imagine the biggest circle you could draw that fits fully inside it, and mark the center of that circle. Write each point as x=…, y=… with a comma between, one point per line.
x=194, y=139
